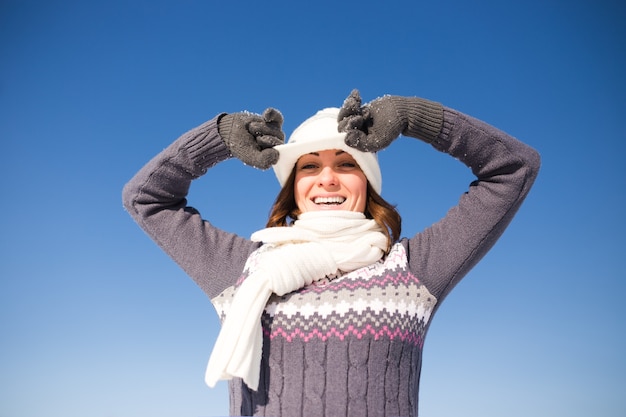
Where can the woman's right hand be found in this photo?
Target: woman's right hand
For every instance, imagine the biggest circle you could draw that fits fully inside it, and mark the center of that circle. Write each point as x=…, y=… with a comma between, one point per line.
x=251, y=137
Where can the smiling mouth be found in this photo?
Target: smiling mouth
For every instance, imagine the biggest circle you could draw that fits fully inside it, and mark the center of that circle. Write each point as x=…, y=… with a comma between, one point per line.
x=329, y=201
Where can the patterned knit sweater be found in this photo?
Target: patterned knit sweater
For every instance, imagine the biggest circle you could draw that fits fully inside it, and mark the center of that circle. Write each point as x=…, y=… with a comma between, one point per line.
x=349, y=345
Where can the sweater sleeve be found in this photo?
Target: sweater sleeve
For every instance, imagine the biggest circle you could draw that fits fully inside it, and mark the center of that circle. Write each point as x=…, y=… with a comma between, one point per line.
x=505, y=170
x=156, y=199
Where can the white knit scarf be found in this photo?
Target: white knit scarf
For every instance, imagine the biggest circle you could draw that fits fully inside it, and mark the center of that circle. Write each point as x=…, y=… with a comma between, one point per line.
x=318, y=244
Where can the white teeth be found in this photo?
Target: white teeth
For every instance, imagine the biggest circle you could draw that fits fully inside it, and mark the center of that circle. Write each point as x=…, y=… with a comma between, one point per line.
x=329, y=200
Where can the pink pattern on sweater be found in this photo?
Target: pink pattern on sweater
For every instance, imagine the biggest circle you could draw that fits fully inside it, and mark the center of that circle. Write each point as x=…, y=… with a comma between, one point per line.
x=383, y=332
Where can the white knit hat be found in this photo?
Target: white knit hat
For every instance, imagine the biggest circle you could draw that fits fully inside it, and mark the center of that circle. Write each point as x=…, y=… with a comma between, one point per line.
x=319, y=133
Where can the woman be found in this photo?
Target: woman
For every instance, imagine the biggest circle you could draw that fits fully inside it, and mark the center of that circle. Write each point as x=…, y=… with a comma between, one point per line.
x=325, y=311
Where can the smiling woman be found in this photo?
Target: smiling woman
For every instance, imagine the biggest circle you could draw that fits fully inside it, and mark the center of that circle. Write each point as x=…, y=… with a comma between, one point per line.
x=330, y=180
x=325, y=311
x=319, y=171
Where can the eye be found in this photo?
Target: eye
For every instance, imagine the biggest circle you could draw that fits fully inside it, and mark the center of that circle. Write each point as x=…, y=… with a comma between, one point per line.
x=347, y=164
x=307, y=166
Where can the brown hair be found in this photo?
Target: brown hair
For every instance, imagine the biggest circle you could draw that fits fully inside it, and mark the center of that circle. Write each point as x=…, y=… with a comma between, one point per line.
x=376, y=208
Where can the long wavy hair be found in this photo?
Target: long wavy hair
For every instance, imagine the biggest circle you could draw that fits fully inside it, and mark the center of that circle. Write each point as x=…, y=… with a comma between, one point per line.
x=285, y=211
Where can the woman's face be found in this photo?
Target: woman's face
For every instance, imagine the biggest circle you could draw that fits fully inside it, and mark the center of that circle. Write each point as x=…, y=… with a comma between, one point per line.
x=329, y=180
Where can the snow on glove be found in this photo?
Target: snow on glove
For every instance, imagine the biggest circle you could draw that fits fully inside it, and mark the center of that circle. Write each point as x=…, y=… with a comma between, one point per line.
x=251, y=137
x=374, y=126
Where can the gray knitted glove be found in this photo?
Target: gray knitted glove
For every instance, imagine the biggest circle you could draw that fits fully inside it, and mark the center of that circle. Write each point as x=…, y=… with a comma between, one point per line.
x=374, y=126
x=251, y=137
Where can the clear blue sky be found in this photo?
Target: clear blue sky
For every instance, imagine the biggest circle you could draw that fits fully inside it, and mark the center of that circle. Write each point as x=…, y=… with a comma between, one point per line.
x=96, y=321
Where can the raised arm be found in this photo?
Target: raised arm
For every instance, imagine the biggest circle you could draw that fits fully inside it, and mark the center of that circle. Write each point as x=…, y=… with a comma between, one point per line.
x=156, y=196
x=505, y=170
x=504, y=167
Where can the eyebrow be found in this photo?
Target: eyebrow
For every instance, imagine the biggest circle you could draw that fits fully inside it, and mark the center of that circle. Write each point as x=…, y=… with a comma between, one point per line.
x=339, y=152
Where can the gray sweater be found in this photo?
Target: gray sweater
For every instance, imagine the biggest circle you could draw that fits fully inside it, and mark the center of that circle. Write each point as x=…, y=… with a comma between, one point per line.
x=352, y=345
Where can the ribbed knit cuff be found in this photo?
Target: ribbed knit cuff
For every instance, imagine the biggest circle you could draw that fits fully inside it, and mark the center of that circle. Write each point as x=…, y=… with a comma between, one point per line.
x=225, y=124
x=205, y=146
x=425, y=117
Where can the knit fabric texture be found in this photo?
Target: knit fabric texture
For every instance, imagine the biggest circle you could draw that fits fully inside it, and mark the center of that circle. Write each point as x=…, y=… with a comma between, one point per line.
x=349, y=345
x=317, y=244
x=331, y=343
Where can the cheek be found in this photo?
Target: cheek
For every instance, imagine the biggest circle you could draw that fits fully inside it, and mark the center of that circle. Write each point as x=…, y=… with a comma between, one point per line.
x=363, y=199
x=299, y=189
x=359, y=184
x=363, y=193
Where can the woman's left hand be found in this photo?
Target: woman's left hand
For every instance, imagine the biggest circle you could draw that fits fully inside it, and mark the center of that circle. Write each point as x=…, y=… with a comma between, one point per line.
x=372, y=127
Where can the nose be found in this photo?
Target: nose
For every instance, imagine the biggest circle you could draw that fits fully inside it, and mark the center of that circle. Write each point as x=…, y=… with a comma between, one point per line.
x=327, y=177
